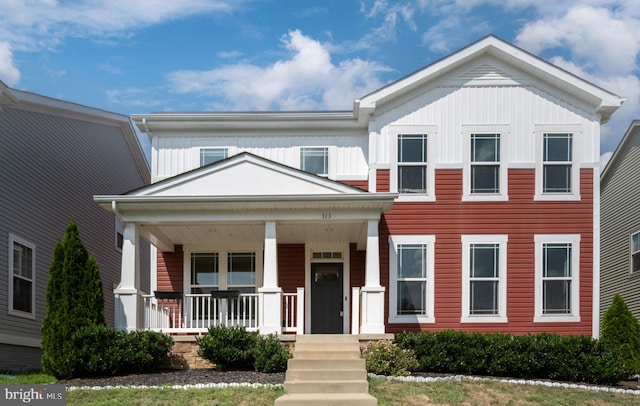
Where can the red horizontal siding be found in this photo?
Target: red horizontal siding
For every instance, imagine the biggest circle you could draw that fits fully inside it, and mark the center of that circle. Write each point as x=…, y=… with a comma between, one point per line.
x=382, y=180
x=170, y=270
x=290, y=267
x=360, y=184
x=448, y=218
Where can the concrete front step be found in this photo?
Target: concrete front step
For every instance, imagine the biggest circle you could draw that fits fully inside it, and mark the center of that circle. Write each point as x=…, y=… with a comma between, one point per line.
x=329, y=354
x=358, y=386
x=335, y=364
x=325, y=399
x=326, y=374
x=324, y=346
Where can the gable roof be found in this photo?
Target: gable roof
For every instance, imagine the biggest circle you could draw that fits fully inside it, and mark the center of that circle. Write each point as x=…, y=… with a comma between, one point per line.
x=632, y=132
x=605, y=102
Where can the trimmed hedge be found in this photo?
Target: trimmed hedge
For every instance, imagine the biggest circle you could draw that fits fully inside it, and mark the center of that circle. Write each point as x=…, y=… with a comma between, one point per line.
x=540, y=356
x=236, y=349
x=104, y=351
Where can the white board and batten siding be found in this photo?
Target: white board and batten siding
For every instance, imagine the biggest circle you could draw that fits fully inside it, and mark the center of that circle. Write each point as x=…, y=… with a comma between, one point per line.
x=51, y=165
x=177, y=153
x=518, y=104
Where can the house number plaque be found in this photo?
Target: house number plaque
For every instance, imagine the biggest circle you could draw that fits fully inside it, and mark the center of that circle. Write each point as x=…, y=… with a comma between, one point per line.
x=326, y=216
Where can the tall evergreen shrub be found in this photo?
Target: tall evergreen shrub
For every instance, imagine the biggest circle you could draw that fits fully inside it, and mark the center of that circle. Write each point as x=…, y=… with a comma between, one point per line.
x=74, y=299
x=621, y=330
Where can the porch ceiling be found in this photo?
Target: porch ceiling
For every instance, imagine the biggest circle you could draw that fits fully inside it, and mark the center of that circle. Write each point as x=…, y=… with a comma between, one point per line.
x=238, y=234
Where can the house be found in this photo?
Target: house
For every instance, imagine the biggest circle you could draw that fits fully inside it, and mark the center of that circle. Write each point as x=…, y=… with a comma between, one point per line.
x=620, y=223
x=54, y=156
x=462, y=196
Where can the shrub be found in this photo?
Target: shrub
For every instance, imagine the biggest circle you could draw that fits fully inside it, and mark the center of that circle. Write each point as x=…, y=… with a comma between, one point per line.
x=271, y=355
x=228, y=347
x=621, y=330
x=104, y=351
x=74, y=299
x=386, y=358
x=576, y=359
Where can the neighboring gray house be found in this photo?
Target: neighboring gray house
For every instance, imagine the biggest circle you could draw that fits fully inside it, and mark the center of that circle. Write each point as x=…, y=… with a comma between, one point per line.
x=54, y=156
x=620, y=224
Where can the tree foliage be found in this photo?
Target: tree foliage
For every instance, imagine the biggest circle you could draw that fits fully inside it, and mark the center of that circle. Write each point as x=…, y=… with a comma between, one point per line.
x=621, y=330
x=74, y=299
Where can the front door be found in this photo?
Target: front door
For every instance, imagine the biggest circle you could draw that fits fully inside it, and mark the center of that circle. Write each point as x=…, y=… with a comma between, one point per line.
x=326, y=298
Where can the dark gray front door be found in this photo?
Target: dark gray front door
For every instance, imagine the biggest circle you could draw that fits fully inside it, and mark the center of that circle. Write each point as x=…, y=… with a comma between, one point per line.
x=326, y=298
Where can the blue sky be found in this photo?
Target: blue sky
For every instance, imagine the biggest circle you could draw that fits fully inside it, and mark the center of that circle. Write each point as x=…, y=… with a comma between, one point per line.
x=141, y=56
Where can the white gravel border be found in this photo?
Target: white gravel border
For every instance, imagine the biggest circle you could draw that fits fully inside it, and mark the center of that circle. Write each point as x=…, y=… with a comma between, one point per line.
x=192, y=386
x=459, y=378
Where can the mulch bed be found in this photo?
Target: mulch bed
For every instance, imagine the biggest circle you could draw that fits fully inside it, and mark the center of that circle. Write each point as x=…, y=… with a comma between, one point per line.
x=179, y=377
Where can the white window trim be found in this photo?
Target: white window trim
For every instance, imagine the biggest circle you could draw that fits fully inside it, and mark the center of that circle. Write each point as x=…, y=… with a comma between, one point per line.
x=574, y=240
x=503, y=131
x=28, y=315
x=501, y=240
x=394, y=241
x=631, y=252
x=539, y=132
x=331, y=152
x=430, y=131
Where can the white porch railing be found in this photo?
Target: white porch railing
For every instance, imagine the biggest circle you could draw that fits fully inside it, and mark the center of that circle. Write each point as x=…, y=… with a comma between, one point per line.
x=195, y=313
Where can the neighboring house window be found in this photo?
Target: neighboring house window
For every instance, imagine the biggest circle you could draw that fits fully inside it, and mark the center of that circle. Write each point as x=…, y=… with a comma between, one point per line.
x=22, y=273
x=205, y=272
x=484, y=278
x=119, y=231
x=557, y=278
x=557, y=167
x=241, y=273
x=412, y=284
x=315, y=160
x=211, y=155
x=635, y=252
x=412, y=163
x=557, y=158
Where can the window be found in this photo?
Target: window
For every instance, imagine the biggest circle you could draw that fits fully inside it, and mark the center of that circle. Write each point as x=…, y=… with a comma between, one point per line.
x=412, y=287
x=635, y=252
x=241, y=274
x=557, y=277
x=211, y=155
x=485, y=163
x=484, y=278
x=557, y=158
x=412, y=163
x=119, y=231
x=315, y=160
x=205, y=272
x=22, y=260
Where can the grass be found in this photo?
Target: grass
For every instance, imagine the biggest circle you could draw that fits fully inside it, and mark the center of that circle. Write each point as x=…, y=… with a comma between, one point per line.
x=387, y=392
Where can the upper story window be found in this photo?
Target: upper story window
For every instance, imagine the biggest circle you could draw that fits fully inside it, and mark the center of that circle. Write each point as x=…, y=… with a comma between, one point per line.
x=558, y=172
x=557, y=278
x=484, y=278
x=485, y=172
x=412, y=279
x=557, y=162
x=485, y=163
x=635, y=252
x=412, y=163
x=22, y=273
x=211, y=155
x=315, y=160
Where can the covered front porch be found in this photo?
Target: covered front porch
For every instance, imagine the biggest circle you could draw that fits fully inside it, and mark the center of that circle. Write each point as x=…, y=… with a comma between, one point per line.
x=248, y=242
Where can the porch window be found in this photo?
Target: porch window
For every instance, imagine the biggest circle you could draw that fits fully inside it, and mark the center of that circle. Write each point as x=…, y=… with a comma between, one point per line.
x=205, y=273
x=315, y=160
x=21, y=277
x=241, y=274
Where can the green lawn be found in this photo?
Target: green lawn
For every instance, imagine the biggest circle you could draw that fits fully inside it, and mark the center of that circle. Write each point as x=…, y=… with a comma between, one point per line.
x=387, y=392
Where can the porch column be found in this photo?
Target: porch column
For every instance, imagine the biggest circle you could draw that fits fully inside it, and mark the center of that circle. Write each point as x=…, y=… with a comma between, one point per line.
x=128, y=309
x=270, y=293
x=372, y=298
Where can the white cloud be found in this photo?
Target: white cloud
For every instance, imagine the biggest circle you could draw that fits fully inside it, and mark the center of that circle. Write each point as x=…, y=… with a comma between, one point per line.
x=308, y=80
x=9, y=74
x=604, y=159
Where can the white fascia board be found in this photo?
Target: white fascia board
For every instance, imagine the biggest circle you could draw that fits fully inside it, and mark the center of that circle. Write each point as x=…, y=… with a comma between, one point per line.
x=604, y=102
